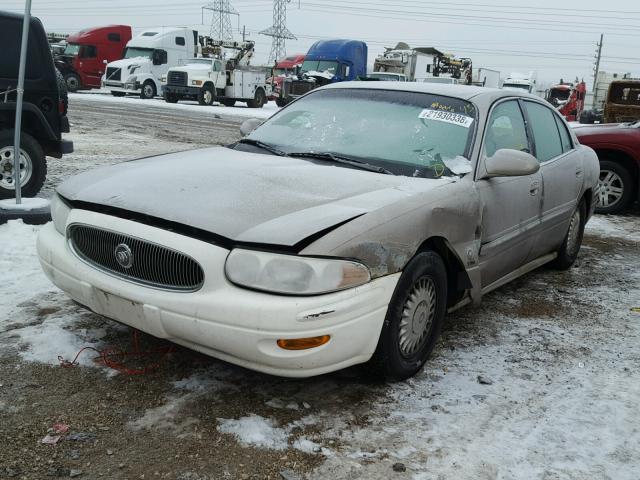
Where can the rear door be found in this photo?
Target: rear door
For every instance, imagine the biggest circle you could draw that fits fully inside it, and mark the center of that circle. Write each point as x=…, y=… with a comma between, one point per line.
x=562, y=175
x=511, y=205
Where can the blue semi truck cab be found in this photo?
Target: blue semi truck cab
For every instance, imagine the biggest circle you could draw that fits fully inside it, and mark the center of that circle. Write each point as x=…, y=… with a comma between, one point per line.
x=327, y=61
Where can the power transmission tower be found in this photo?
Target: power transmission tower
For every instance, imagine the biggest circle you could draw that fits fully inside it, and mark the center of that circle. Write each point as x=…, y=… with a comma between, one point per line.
x=221, y=19
x=278, y=30
x=596, y=68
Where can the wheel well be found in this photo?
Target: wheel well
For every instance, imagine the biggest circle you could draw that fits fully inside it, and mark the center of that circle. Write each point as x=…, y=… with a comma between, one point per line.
x=624, y=159
x=457, y=279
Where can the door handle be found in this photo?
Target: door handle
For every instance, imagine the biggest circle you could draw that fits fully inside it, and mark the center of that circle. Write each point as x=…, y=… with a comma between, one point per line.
x=534, y=188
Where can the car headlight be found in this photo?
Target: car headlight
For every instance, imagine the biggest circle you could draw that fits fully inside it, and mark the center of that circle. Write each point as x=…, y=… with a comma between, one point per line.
x=196, y=82
x=59, y=213
x=291, y=274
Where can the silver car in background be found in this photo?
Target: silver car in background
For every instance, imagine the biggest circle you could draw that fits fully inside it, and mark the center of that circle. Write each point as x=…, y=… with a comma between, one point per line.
x=338, y=232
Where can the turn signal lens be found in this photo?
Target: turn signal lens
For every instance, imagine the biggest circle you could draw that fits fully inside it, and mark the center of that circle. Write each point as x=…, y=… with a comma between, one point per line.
x=303, y=343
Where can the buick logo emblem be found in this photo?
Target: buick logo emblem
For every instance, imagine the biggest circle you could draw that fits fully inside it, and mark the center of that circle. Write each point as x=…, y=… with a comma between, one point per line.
x=123, y=255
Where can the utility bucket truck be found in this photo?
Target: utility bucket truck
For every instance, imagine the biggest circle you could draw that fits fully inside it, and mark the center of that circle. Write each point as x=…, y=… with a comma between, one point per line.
x=147, y=58
x=213, y=77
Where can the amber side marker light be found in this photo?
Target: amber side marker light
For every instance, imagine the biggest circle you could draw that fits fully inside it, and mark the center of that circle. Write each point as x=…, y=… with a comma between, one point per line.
x=302, y=343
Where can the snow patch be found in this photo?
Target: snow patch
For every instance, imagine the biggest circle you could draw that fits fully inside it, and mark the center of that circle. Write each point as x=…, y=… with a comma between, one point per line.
x=256, y=431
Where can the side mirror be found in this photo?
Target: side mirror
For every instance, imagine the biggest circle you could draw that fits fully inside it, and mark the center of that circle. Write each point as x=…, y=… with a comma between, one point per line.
x=510, y=163
x=105, y=62
x=249, y=126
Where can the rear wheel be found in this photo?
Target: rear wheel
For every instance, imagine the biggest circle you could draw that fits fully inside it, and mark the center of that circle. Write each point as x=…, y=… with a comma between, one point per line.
x=414, y=318
x=117, y=94
x=259, y=99
x=148, y=90
x=73, y=82
x=33, y=165
x=616, y=187
x=570, y=248
x=206, y=95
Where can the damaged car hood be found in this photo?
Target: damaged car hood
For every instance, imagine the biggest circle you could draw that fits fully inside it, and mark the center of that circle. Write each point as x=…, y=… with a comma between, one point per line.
x=244, y=197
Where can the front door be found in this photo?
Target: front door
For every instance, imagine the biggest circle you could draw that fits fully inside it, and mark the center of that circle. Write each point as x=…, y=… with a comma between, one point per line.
x=511, y=205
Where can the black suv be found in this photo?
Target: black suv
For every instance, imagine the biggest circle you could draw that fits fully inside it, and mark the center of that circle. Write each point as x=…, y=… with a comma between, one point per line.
x=44, y=110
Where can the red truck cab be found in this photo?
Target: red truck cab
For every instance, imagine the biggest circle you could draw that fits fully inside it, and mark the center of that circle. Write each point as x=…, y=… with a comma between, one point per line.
x=83, y=61
x=285, y=67
x=568, y=98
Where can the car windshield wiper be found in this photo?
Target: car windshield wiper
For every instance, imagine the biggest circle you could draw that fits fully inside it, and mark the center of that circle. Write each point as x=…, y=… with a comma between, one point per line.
x=264, y=146
x=332, y=157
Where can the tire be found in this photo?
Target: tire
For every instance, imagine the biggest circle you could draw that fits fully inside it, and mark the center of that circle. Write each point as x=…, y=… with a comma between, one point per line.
x=206, y=95
x=118, y=94
x=259, y=99
x=616, y=187
x=148, y=90
x=228, y=102
x=171, y=98
x=394, y=358
x=62, y=91
x=73, y=82
x=35, y=165
x=282, y=102
x=568, y=252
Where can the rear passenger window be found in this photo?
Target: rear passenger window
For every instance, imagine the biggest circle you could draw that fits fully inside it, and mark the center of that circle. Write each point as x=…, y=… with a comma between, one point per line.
x=545, y=131
x=506, y=129
x=179, y=40
x=565, y=138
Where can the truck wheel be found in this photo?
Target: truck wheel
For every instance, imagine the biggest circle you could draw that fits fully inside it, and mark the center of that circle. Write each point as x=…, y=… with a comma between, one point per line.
x=73, y=82
x=206, y=95
x=33, y=165
x=282, y=102
x=228, y=102
x=118, y=94
x=171, y=98
x=616, y=187
x=259, y=99
x=148, y=90
x=62, y=91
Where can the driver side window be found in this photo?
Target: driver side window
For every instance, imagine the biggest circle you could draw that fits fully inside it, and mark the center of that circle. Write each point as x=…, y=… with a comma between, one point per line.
x=506, y=129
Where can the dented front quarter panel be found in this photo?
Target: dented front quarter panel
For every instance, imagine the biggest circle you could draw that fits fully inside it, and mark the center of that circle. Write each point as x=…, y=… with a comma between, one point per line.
x=386, y=239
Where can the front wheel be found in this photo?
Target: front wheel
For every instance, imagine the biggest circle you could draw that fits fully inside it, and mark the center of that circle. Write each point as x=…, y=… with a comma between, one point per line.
x=33, y=165
x=206, y=95
x=570, y=248
x=171, y=98
x=616, y=188
x=414, y=318
x=73, y=82
x=148, y=90
x=281, y=102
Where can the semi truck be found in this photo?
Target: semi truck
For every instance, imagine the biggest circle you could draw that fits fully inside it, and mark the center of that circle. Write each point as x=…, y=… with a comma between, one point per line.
x=520, y=82
x=485, y=77
x=217, y=77
x=285, y=67
x=423, y=63
x=327, y=61
x=568, y=98
x=82, y=62
x=147, y=58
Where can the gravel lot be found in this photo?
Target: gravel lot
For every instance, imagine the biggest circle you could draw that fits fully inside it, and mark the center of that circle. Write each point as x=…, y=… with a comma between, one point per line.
x=556, y=352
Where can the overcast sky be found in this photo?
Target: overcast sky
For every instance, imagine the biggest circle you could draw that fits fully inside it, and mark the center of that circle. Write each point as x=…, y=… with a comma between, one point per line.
x=556, y=39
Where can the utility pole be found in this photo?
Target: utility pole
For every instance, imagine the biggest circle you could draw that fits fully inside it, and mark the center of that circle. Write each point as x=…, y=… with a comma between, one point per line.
x=221, y=19
x=278, y=30
x=596, y=69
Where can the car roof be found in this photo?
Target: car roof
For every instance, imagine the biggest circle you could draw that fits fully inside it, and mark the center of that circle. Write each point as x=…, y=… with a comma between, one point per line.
x=465, y=92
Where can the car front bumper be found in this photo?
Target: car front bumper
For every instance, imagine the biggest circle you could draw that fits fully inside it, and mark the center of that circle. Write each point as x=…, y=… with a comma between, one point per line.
x=222, y=320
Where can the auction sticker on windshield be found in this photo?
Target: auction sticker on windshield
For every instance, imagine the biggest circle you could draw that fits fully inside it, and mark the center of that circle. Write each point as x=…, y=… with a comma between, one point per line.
x=448, y=117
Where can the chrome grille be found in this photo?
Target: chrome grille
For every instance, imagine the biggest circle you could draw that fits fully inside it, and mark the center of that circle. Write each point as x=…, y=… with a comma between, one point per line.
x=113, y=73
x=177, y=78
x=148, y=263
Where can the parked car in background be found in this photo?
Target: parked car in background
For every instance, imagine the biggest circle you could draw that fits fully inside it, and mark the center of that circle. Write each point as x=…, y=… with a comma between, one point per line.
x=82, y=63
x=618, y=149
x=623, y=102
x=338, y=232
x=44, y=110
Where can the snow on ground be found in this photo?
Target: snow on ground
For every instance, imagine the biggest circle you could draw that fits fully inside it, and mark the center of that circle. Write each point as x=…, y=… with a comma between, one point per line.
x=255, y=430
x=240, y=110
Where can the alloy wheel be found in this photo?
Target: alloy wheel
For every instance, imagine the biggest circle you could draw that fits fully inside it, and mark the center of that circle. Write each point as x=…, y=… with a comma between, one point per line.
x=611, y=188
